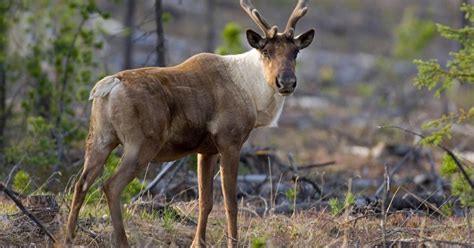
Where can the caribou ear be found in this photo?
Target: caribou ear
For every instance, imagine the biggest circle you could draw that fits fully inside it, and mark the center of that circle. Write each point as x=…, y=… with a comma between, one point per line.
x=303, y=40
x=255, y=40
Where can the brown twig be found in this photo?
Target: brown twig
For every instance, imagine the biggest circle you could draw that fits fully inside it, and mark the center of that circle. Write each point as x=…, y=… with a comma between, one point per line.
x=12, y=173
x=436, y=241
x=319, y=165
x=424, y=202
x=448, y=151
x=91, y=234
x=386, y=187
x=392, y=172
x=348, y=210
x=468, y=222
x=18, y=203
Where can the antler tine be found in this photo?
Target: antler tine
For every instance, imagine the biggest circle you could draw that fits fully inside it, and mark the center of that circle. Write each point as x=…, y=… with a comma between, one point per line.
x=258, y=18
x=299, y=11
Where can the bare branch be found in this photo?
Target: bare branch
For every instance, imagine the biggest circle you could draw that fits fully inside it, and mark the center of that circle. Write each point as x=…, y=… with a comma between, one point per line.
x=449, y=152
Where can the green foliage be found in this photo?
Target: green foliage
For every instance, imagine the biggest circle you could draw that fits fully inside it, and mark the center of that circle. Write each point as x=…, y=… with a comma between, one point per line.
x=365, y=89
x=448, y=167
x=460, y=68
x=259, y=242
x=22, y=182
x=327, y=75
x=169, y=217
x=433, y=76
x=459, y=185
x=443, y=125
x=132, y=189
x=56, y=67
x=337, y=206
x=166, y=17
x=349, y=199
x=291, y=194
x=412, y=35
x=231, y=37
x=447, y=209
x=4, y=26
x=37, y=149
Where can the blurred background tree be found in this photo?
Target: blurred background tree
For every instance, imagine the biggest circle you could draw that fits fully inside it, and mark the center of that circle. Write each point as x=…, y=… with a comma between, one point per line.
x=57, y=61
x=5, y=19
x=413, y=34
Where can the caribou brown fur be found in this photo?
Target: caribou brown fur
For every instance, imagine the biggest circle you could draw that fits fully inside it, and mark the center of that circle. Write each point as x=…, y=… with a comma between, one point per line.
x=208, y=105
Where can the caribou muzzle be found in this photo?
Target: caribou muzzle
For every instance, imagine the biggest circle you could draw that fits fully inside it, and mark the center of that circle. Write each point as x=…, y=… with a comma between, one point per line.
x=286, y=82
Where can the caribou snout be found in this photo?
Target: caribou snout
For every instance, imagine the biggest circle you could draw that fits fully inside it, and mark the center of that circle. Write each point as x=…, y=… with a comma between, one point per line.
x=286, y=82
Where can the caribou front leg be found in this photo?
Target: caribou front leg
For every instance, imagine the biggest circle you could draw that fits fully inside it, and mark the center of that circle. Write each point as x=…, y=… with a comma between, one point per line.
x=229, y=169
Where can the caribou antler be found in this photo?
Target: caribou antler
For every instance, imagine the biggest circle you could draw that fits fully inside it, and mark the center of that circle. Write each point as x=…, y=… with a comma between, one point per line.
x=247, y=5
x=299, y=11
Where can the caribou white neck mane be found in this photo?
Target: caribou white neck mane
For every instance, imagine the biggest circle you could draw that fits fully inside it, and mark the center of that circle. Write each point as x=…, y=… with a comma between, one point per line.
x=246, y=70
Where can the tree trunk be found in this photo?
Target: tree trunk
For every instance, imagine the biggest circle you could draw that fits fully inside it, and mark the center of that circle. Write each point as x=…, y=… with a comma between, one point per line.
x=210, y=20
x=4, y=9
x=3, y=109
x=129, y=22
x=160, y=39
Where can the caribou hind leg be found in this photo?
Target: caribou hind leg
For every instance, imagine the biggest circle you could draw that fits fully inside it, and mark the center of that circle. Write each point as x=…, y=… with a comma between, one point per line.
x=136, y=156
x=206, y=165
x=97, y=151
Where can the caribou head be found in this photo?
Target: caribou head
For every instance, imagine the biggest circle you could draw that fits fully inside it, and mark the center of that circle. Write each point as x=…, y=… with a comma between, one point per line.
x=278, y=50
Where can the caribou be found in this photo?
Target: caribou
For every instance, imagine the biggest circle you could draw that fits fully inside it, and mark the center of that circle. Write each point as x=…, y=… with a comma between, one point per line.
x=207, y=105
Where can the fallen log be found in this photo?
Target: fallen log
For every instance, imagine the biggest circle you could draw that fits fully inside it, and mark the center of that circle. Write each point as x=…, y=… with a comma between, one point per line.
x=155, y=181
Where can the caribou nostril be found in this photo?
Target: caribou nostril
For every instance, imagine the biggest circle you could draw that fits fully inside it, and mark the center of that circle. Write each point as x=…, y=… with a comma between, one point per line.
x=279, y=83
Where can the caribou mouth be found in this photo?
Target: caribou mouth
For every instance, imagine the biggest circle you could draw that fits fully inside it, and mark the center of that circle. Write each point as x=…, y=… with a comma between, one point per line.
x=285, y=92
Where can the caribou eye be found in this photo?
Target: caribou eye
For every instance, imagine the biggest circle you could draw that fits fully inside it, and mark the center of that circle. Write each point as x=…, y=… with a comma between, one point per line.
x=265, y=53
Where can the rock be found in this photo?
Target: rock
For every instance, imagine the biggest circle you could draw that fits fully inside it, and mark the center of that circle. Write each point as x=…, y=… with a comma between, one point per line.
x=422, y=179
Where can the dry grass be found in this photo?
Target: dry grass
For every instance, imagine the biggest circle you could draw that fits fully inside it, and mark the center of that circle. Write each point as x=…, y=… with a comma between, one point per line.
x=310, y=228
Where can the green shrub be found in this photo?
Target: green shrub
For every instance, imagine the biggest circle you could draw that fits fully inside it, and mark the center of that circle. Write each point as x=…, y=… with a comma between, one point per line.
x=459, y=185
x=54, y=70
x=412, y=35
x=232, y=43
x=337, y=206
x=169, y=219
x=460, y=68
x=259, y=242
x=433, y=76
x=36, y=150
x=22, y=182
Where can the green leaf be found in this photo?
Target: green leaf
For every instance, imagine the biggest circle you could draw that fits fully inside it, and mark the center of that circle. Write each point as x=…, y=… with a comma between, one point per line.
x=166, y=17
x=448, y=166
